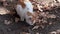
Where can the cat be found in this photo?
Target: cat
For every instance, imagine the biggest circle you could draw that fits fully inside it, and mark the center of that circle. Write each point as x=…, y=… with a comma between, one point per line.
x=23, y=9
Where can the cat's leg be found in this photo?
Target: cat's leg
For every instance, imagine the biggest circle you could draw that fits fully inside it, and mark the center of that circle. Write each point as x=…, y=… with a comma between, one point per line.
x=21, y=18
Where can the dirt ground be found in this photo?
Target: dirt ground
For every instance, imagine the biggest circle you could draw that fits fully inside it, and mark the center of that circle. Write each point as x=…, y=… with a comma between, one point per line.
x=24, y=28
x=21, y=27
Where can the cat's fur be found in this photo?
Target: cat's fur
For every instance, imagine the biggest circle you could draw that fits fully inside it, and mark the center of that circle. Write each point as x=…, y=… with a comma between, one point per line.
x=23, y=11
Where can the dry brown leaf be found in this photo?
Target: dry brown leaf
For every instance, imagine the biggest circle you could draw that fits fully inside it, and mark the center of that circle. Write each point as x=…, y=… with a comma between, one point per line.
x=7, y=22
x=53, y=32
x=35, y=27
x=17, y=19
x=4, y=11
